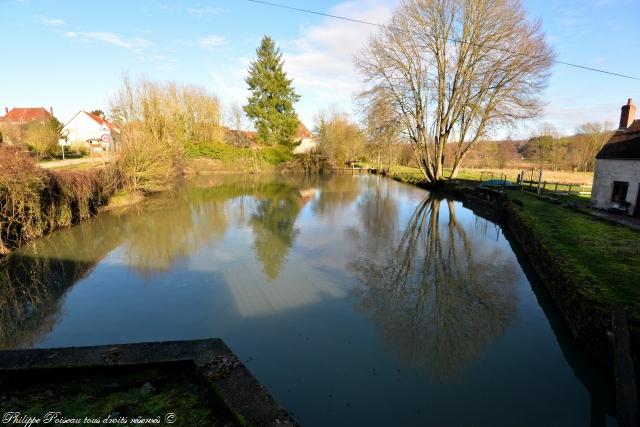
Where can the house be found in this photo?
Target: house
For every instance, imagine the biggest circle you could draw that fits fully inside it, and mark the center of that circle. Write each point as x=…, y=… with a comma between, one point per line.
x=23, y=116
x=14, y=123
x=616, y=184
x=92, y=131
x=306, y=140
x=243, y=137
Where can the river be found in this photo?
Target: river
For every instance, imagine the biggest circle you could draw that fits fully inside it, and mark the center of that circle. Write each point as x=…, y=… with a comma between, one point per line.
x=354, y=299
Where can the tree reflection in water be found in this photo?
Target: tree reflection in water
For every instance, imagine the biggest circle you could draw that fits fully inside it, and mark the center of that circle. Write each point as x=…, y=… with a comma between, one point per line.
x=34, y=278
x=273, y=225
x=438, y=296
x=168, y=229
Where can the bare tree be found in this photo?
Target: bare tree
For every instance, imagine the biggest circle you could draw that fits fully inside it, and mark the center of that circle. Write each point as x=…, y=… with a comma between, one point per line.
x=589, y=139
x=338, y=137
x=237, y=119
x=455, y=69
x=382, y=127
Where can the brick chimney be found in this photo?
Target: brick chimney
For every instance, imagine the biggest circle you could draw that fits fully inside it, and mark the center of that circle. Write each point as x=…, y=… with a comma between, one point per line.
x=628, y=114
x=51, y=110
x=6, y=110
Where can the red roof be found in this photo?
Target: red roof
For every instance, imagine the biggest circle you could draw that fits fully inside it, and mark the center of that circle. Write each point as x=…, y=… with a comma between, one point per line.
x=303, y=132
x=25, y=115
x=102, y=121
x=251, y=135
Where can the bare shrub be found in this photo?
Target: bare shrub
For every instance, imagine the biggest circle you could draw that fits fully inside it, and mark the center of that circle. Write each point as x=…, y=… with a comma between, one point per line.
x=34, y=201
x=156, y=121
x=21, y=183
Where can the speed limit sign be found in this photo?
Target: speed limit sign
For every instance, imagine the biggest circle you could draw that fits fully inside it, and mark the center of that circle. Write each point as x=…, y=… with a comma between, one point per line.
x=105, y=138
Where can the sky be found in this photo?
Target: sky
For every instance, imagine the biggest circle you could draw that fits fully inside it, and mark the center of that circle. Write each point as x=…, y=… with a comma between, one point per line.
x=72, y=55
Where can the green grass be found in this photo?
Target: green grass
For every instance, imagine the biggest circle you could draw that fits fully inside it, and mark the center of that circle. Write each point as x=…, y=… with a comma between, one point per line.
x=603, y=257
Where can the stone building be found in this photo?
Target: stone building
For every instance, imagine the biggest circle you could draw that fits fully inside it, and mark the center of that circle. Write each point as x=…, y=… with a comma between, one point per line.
x=616, y=184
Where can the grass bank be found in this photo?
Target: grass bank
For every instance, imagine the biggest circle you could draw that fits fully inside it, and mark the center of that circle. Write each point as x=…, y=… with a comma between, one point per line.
x=35, y=201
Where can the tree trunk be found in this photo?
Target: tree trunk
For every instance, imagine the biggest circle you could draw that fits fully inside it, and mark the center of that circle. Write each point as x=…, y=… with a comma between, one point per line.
x=455, y=170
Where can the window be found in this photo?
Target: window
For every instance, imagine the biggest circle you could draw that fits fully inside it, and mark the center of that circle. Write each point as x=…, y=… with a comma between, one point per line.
x=619, y=191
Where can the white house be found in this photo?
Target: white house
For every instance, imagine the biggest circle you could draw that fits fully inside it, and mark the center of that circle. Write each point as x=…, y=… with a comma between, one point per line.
x=616, y=184
x=89, y=130
x=307, y=141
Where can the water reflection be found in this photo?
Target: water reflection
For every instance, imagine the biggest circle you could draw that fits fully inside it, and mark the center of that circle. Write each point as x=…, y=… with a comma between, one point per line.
x=334, y=288
x=157, y=241
x=336, y=194
x=155, y=237
x=34, y=278
x=438, y=296
x=273, y=225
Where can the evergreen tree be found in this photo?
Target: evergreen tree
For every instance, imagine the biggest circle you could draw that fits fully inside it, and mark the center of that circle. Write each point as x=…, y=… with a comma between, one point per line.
x=270, y=104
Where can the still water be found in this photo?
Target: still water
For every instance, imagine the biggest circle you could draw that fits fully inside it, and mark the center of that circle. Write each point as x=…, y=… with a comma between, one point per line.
x=356, y=300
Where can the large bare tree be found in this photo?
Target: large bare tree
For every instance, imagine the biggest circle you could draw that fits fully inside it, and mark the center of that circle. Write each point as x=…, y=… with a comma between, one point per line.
x=455, y=69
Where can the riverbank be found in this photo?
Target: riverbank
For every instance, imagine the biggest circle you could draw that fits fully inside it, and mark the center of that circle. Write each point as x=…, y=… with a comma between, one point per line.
x=589, y=265
x=35, y=201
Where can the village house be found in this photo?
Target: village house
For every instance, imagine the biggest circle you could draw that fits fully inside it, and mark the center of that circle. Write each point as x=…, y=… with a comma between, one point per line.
x=15, y=121
x=616, y=184
x=306, y=140
x=21, y=116
x=93, y=132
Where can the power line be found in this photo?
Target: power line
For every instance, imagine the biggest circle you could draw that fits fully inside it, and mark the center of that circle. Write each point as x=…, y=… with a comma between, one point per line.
x=360, y=21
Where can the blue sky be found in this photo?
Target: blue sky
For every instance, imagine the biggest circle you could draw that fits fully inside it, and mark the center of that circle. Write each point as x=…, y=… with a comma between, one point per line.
x=71, y=55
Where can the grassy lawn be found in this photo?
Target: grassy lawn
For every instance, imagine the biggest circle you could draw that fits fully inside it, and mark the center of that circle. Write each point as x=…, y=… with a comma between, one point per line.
x=602, y=256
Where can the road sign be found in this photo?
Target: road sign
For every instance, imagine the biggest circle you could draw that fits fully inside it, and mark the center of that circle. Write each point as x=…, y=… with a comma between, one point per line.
x=63, y=143
x=106, y=138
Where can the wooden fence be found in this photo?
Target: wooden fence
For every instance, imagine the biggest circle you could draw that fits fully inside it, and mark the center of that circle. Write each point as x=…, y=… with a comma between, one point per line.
x=538, y=185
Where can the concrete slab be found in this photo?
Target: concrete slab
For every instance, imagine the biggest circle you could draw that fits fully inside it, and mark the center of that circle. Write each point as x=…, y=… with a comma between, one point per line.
x=243, y=394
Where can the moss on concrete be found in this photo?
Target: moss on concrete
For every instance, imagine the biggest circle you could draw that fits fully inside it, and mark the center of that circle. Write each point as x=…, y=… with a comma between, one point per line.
x=116, y=392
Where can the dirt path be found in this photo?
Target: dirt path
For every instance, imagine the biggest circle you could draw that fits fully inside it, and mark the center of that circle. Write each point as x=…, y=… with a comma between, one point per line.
x=55, y=164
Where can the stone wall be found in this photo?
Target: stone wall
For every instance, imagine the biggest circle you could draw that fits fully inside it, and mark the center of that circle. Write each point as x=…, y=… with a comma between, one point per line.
x=609, y=170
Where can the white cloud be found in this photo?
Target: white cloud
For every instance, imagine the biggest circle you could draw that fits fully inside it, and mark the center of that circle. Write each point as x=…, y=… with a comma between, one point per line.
x=202, y=12
x=320, y=61
x=47, y=20
x=211, y=41
x=109, y=38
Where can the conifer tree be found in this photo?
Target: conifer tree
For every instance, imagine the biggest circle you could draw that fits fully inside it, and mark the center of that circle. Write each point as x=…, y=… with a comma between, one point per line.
x=270, y=104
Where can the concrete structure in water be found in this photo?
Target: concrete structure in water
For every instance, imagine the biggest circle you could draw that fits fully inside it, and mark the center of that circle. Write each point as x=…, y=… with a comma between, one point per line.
x=208, y=362
x=616, y=184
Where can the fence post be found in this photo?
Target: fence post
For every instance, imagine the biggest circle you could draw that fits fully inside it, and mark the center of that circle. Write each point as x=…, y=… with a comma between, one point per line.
x=570, y=185
x=556, y=189
x=539, y=181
